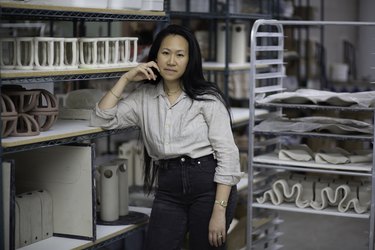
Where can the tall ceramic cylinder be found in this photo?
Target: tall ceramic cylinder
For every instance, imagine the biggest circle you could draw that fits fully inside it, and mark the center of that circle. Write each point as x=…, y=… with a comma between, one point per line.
x=109, y=192
x=238, y=43
x=221, y=44
x=126, y=152
x=123, y=186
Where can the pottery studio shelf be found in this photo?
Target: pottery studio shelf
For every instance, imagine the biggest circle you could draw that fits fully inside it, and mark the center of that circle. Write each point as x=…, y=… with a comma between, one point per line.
x=105, y=236
x=291, y=207
x=216, y=66
x=62, y=132
x=32, y=11
x=38, y=76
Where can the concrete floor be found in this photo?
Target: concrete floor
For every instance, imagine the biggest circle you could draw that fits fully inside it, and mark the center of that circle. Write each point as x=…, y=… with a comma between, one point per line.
x=322, y=232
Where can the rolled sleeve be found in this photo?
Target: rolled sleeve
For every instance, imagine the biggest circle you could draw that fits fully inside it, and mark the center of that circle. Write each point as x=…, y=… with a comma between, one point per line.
x=221, y=138
x=122, y=115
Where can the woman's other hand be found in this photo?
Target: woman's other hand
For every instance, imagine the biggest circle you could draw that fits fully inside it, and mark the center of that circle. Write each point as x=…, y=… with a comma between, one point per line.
x=216, y=230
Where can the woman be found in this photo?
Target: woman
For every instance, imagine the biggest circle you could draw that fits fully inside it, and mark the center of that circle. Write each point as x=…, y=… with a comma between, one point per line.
x=186, y=128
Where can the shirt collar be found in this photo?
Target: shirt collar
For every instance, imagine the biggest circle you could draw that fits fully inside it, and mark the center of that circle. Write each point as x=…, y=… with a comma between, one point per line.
x=159, y=90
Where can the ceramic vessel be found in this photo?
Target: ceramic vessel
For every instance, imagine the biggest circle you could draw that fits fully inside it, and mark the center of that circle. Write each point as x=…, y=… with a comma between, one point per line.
x=25, y=53
x=109, y=193
x=71, y=53
x=8, y=53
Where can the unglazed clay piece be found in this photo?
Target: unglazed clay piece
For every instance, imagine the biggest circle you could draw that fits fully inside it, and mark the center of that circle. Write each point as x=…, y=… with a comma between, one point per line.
x=26, y=126
x=24, y=100
x=8, y=116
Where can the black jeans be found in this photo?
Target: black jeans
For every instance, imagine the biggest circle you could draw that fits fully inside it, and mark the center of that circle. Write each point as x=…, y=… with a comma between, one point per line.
x=183, y=204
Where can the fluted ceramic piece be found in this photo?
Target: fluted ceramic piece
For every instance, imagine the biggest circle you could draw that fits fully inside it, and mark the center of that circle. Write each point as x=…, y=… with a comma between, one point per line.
x=103, y=52
x=8, y=55
x=128, y=51
x=113, y=49
x=24, y=233
x=9, y=116
x=44, y=52
x=88, y=52
x=25, y=53
x=71, y=53
x=47, y=213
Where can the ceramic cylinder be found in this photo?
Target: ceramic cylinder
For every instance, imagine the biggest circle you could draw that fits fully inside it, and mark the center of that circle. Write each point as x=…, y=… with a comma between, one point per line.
x=126, y=152
x=123, y=186
x=109, y=193
x=238, y=43
x=221, y=44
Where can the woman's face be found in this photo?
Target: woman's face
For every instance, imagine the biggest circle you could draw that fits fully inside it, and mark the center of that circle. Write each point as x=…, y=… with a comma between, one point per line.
x=173, y=57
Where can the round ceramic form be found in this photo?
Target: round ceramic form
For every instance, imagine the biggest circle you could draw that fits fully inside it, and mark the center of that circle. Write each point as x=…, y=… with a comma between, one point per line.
x=8, y=116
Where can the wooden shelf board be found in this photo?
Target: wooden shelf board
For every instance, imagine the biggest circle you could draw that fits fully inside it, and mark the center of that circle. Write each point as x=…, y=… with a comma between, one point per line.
x=327, y=211
x=12, y=4
x=103, y=233
x=45, y=73
x=60, y=130
x=216, y=66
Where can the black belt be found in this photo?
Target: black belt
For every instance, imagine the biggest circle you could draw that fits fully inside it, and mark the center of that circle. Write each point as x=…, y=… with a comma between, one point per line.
x=183, y=158
x=180, y=161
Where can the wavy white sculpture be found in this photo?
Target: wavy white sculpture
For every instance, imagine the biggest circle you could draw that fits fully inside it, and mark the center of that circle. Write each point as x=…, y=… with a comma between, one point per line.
x=344, y=196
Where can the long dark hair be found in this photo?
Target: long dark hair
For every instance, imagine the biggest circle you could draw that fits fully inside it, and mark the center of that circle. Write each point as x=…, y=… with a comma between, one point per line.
x=193, y=81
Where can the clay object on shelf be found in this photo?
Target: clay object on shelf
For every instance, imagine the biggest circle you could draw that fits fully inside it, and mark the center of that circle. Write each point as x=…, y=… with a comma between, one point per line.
x=8, y=116
x=49, y=53
x=71, y=53
x=26, y=126
x=8, y=53
x=46, y=111
x=25, y=53
x=24, y=100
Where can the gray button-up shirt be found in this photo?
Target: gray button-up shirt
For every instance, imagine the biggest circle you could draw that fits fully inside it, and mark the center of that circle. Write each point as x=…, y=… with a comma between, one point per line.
x=188, y=127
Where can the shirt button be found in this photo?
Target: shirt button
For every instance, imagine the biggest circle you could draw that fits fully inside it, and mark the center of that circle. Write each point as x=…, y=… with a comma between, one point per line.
x=182, y=159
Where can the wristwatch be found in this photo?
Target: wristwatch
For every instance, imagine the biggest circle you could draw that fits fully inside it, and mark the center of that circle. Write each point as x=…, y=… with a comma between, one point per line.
x=221, y=203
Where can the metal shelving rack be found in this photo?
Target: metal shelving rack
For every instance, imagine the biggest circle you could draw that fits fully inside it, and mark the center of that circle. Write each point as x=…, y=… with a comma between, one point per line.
x=214, y=16
x=25, y=11
x=267, y=45
x=47, y=12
